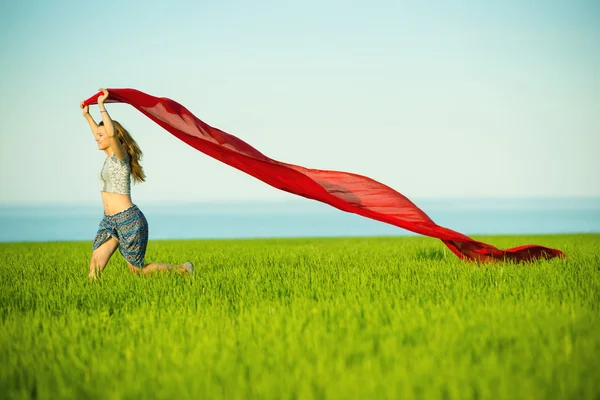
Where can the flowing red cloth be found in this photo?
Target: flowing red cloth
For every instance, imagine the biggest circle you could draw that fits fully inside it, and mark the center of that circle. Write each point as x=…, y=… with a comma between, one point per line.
x=346, y=191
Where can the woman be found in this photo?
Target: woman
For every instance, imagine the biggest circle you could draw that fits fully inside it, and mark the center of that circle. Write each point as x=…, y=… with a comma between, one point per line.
x=124, y=225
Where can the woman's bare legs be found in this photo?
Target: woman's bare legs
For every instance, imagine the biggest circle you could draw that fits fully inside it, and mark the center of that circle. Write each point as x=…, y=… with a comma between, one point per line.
x=187, y=268
x=101, y=255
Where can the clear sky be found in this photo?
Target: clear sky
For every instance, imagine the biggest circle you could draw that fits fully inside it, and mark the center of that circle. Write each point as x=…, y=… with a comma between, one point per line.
x=443, y=99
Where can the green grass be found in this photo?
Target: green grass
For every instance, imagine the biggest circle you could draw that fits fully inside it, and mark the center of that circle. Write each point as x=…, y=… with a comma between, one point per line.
x=302, y=318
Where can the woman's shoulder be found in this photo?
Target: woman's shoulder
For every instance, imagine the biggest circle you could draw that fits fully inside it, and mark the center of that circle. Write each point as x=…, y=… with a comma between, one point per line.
x=123, y=160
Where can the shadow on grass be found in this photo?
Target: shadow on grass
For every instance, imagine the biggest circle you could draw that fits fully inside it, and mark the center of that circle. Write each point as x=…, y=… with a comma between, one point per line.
x=431, y=254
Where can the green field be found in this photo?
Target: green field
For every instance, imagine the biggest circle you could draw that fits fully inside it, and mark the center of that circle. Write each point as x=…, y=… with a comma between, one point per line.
x=302, y=318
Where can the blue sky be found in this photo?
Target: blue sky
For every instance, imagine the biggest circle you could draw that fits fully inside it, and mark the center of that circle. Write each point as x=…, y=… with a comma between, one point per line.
x=444, y=99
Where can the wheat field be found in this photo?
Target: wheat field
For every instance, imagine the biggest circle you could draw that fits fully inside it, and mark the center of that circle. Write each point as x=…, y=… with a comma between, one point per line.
x=395, y=317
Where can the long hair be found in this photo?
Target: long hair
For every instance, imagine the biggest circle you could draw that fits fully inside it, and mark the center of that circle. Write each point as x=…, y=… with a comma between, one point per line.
x=132, y=148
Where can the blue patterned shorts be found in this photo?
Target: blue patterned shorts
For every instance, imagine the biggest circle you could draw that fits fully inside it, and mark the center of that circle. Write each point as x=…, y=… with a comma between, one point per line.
x=130, y=228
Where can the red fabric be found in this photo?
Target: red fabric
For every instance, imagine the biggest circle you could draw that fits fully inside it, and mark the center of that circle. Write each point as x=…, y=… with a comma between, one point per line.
x=345, y=191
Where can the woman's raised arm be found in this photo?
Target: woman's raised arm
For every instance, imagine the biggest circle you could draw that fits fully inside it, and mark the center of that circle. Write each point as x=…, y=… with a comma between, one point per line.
x=86, y=113
x=108, y=124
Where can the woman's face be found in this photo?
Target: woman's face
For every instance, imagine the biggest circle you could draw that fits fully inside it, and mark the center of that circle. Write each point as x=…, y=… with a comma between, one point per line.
x=102, y=138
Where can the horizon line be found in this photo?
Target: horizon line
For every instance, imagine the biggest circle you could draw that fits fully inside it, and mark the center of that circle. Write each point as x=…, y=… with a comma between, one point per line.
x=297, y=200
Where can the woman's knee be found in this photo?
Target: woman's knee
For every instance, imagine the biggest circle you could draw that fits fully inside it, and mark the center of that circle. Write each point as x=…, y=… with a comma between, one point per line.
x=134, y=269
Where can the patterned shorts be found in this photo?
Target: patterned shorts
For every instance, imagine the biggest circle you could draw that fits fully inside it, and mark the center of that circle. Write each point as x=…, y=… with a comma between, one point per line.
x=130, y=228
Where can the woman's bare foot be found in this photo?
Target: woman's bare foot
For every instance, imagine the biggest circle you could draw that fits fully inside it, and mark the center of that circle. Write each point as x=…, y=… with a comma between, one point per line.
x=188, y=267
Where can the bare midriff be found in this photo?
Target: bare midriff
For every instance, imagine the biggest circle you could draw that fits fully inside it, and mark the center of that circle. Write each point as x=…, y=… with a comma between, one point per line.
x=114, y=202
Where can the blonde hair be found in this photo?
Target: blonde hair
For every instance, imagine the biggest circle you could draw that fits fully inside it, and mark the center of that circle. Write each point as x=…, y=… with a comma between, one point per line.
x=133, y=150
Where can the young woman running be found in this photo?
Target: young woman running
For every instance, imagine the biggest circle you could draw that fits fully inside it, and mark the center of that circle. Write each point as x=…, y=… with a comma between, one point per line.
x=124, y=225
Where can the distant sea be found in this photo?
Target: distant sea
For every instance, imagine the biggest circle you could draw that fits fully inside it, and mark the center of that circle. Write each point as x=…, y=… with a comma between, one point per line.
x=302, y=218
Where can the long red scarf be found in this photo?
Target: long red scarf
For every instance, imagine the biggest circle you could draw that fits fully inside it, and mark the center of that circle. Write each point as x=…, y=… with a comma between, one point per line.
x=348, y=192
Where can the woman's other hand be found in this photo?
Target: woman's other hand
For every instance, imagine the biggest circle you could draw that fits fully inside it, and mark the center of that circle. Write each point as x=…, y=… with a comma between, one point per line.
x=103, y=97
